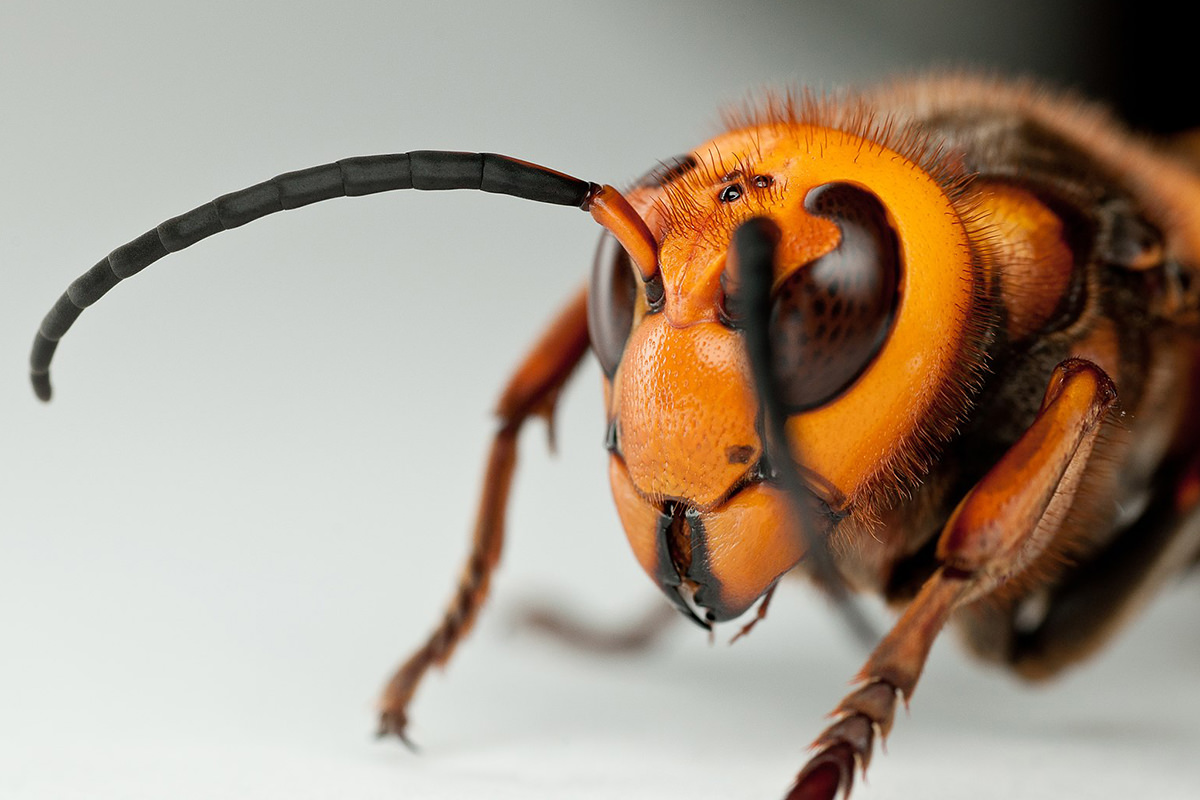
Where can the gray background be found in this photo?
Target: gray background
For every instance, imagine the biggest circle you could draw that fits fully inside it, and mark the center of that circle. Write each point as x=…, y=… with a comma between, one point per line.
x=252, y=493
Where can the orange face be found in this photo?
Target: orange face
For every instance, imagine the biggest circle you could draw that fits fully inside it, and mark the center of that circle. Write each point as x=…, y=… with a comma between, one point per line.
x=874, y=291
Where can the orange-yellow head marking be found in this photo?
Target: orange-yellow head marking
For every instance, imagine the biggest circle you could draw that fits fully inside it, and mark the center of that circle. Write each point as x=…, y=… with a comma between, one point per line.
x=695, y=499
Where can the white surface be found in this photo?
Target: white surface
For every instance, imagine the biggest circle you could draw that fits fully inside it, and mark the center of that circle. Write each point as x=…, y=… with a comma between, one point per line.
x=519, y=718
x=251, y=494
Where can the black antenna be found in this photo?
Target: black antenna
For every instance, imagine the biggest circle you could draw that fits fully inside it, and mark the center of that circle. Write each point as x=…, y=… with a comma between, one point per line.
x=754, y=243
x=351, y=177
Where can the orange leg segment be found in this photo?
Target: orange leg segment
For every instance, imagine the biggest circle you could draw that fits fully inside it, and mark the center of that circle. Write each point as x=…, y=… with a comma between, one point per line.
x=532, y=390
x=1001, y=526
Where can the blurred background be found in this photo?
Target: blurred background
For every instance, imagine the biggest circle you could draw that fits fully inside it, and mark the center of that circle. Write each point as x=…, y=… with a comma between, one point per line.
x=252, y=492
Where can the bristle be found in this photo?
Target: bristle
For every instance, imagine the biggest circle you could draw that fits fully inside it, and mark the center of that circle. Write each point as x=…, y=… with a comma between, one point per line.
x=879, y=127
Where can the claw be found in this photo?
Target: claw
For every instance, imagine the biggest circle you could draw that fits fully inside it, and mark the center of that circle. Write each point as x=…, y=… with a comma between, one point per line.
x=847, y=743
x=828, y=773
x=760, y=615
x=395, y=723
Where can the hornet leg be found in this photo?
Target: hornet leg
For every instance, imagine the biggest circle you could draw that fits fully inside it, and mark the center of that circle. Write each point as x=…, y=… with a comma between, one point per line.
x=1007, y=520
x=532, y=390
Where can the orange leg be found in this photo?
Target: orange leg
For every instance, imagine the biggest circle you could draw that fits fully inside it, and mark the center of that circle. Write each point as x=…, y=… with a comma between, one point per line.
x=532, y=390
x=998, y=530
x=1101, y=592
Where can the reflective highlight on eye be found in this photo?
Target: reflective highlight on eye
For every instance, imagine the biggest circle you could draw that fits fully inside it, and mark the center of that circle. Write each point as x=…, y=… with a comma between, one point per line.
x=730, y=193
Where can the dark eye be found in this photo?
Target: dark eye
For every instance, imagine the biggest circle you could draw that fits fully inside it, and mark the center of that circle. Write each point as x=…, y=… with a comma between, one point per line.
x=831, y=317
x=611, y=296
x=730, y=193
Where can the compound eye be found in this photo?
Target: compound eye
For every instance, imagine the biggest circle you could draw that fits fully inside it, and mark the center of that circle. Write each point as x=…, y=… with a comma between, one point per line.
x=612, y=294
x=831, y=317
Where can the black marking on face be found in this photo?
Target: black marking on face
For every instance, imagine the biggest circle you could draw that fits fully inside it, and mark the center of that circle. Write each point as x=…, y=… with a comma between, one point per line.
x=739, y=454
x=612, y=441
x=708, y=588
x=667, y=558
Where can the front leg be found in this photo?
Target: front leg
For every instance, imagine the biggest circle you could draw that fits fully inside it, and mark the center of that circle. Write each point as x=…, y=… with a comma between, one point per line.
x=1006, y=522
x=532, y=390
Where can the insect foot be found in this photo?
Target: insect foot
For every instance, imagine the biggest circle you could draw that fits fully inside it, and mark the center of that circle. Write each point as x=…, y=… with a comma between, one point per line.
x=847, y=743
x=393, y=706
x=395, y=723
x=822, y=337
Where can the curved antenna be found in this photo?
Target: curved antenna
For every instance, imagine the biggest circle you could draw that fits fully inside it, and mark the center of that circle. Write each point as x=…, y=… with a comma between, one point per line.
x=350, y=177
x=754, y=244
